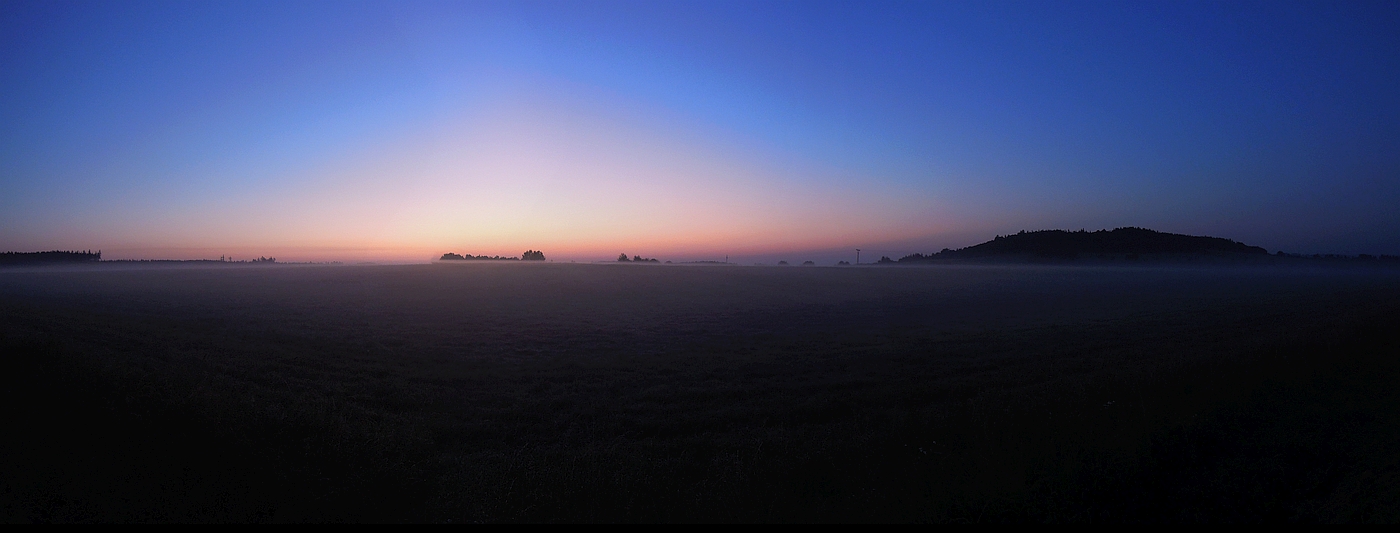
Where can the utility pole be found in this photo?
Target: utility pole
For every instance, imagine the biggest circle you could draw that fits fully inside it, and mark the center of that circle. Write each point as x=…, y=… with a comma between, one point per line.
x=857, y=256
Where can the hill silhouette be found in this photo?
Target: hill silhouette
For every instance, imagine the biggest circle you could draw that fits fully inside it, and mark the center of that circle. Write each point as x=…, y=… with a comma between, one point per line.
x=1126, y=243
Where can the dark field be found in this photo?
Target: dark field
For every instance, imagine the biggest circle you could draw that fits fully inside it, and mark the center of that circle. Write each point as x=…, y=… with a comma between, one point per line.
x=614, y=393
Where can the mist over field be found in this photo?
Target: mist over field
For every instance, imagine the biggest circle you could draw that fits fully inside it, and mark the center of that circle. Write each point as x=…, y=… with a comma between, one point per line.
x=714, y=261
x=558, y=392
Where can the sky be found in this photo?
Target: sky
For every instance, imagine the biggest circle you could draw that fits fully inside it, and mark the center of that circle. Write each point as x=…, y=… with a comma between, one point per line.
x=398, y=131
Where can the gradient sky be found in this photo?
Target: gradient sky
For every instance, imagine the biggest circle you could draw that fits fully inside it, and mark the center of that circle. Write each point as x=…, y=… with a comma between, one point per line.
x=760, y=130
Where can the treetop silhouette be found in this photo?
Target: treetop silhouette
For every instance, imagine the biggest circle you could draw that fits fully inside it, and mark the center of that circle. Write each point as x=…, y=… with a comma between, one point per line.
x=53, y=256
x=529, y=255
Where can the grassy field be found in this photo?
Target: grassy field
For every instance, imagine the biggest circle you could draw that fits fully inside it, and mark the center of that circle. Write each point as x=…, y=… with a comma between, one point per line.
x=617, y=393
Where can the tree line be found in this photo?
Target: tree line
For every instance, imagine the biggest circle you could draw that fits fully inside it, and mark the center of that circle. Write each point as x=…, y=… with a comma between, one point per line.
x=52, y=256
x=529, y=255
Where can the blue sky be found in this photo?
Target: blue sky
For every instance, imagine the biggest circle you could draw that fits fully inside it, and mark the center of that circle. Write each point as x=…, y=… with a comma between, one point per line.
x=343, y=130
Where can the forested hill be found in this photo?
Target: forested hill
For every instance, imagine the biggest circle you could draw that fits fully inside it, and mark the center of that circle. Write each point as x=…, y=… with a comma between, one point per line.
x=1060, y=244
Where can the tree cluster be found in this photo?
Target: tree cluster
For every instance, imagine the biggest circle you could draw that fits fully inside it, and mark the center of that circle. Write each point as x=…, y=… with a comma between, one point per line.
x=529, y=255
x=54, y=256
x=1341, y=257
x=622, y=258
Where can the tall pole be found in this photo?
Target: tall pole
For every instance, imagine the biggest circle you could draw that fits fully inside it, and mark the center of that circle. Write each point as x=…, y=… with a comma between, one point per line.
x=857, y=256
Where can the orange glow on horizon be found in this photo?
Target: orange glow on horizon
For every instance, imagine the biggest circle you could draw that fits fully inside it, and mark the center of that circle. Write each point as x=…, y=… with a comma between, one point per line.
x=539, y=174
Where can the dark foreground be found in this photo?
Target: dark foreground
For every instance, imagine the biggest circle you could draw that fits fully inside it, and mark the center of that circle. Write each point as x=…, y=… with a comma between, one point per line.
x=540, y=392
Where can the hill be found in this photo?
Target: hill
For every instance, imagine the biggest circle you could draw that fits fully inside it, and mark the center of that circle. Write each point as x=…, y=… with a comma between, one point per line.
x=1128, y=243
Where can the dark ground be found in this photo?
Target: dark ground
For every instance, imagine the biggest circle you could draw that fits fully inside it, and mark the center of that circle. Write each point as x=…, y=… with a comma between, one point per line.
x=549, y=392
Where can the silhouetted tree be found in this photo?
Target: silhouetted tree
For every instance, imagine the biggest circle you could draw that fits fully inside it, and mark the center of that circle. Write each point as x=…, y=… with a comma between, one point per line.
x=622, y=258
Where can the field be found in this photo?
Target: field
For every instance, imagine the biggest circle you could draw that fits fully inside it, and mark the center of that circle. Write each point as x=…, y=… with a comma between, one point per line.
x=619, y=393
